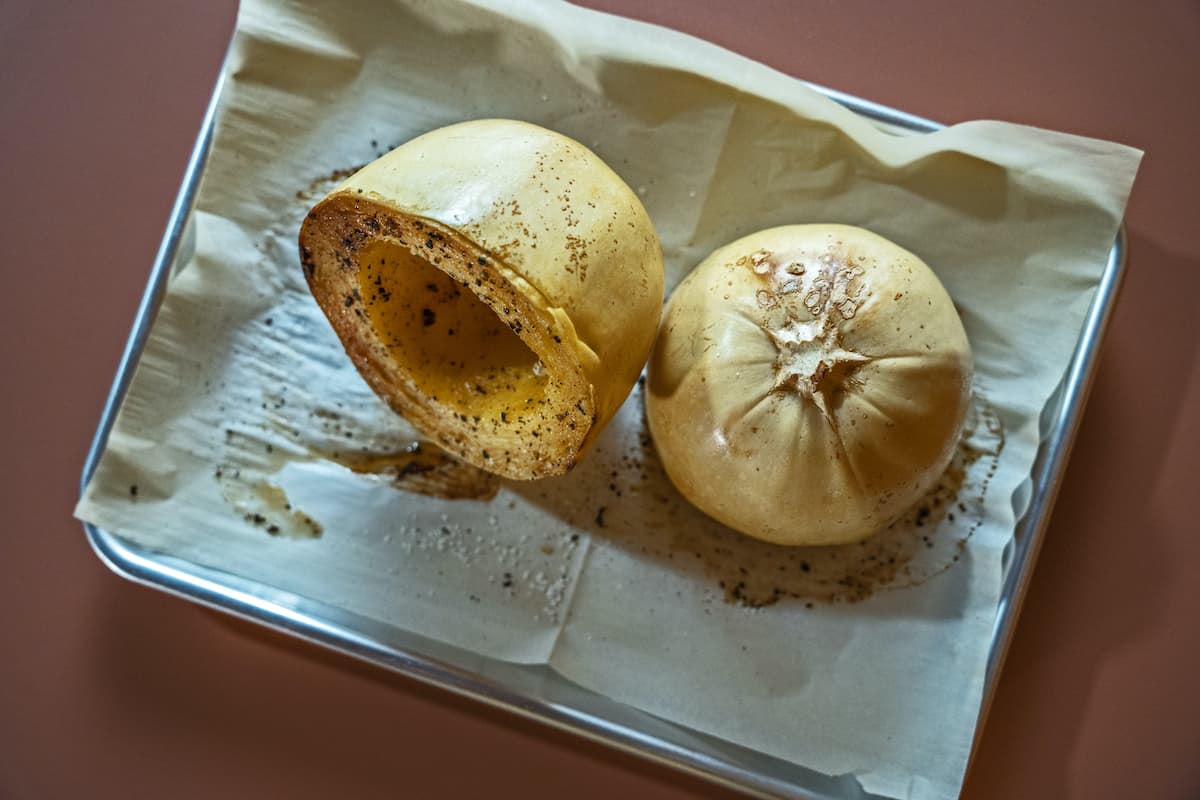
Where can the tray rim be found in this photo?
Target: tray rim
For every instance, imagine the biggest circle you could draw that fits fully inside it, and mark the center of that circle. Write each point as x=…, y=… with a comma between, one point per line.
x=147, y=568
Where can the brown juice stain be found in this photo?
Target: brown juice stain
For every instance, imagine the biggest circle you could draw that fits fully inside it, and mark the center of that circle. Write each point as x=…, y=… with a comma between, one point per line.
x=406, y=462
x=419, y=467
x=319, y=187
x=264, y=505
x=424, y=468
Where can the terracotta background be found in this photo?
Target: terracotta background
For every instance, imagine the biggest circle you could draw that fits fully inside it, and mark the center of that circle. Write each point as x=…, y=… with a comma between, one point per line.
x=112, y=690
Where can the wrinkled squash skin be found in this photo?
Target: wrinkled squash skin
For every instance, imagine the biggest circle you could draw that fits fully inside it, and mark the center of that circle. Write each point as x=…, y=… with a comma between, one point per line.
x=809, y=384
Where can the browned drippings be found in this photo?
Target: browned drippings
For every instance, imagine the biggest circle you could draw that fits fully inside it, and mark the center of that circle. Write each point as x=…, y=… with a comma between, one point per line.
x=424, y=468
x=264, y=505
x=410, y=464
x=319, y=187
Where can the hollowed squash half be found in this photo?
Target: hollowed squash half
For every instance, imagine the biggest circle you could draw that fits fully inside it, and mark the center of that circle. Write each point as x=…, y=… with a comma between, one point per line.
x=496, y=284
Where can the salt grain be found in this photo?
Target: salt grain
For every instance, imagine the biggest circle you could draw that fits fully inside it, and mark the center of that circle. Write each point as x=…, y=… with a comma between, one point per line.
x=543, y=564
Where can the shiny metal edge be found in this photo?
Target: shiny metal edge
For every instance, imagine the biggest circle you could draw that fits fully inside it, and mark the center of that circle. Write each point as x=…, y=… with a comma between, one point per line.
x=890, y=117
x=557, y=702
x=1050, y=466
x=156, y=285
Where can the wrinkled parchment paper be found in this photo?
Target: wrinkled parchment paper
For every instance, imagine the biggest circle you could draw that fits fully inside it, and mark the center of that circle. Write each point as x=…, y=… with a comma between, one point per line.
x=226, y=451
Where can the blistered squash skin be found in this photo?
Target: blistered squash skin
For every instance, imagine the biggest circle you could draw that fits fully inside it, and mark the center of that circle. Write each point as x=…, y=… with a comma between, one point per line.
x=809, y=384
x=497, y=284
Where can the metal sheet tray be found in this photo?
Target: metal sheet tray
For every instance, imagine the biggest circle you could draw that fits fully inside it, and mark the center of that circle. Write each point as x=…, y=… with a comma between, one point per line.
x=537, y=692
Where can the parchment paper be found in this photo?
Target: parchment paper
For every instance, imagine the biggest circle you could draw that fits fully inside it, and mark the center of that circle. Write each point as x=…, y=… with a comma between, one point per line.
x=225, y=450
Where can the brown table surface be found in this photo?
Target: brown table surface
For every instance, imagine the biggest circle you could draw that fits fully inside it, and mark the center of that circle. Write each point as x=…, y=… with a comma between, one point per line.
x=108, y=689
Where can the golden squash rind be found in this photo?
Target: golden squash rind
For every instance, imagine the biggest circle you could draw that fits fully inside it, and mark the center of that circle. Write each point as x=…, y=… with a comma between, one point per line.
x=547, y=235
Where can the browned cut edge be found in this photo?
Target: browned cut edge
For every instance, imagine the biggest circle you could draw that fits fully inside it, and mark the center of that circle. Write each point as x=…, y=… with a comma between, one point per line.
x=333, y=237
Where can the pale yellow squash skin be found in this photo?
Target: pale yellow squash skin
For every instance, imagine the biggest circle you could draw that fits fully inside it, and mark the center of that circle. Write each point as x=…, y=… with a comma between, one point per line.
x=470, y=232
x=809, y=384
